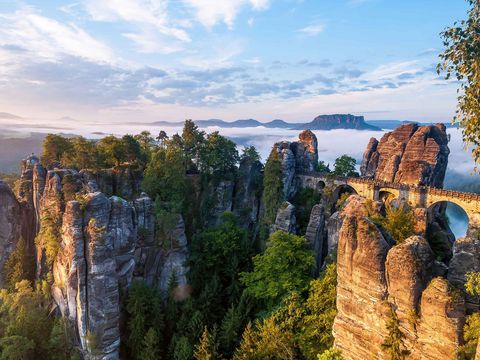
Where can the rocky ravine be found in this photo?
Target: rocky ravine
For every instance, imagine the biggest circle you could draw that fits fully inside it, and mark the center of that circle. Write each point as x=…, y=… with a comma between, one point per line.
x=107, y=235
x=105, y=243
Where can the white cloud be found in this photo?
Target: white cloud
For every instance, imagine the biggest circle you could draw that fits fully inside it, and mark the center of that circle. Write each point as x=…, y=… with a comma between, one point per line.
x=49, y=39
x=312, y=30
x=209, y=12
x=155, y=32
x=391, y=70
x=150, y=42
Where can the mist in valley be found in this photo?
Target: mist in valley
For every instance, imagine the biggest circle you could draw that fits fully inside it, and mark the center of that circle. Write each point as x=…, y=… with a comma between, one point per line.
x=17, y=141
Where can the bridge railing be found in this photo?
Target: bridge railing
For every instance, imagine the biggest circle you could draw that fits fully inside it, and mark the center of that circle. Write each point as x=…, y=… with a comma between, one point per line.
x=399, y=186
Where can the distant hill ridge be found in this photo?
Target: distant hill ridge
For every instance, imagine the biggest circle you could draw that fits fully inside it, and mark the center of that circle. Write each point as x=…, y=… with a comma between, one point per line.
x=322, y=122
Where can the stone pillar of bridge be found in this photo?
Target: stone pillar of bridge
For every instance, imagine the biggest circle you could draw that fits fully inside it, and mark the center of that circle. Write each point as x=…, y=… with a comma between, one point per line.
x=421, y=221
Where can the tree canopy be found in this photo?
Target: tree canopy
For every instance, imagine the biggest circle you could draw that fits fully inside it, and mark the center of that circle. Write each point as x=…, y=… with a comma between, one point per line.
x=284, y=267
x=345, y=166
x=461, y=59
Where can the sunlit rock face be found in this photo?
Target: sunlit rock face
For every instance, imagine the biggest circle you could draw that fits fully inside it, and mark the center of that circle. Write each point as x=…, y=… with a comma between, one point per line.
x=95, y=261
x=410, y=154
x=375, y=276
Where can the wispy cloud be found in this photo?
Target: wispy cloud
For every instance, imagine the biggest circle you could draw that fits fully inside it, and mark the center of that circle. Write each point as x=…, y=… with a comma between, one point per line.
x=210, y=13
x=50, y=39
x=154, y=30
x=312, y=30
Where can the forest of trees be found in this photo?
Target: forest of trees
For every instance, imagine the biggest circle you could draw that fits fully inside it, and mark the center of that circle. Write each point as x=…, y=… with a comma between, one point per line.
x=236, y=308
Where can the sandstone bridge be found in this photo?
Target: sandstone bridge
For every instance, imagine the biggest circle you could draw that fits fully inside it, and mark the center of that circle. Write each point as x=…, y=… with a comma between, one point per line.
x=415, y=196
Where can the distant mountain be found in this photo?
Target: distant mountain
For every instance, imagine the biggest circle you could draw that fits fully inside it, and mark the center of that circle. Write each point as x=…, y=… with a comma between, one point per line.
x=322, y=122
x=338, y=121
x=277, y=123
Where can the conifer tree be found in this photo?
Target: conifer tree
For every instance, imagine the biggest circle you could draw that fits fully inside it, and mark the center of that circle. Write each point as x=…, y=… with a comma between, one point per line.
x=247, y=348
x=394, y=342
x=151, y=346
x=206, y=349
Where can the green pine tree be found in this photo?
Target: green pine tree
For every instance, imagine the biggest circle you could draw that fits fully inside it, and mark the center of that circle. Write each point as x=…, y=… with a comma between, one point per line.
x=394, y=342
x=151, y=346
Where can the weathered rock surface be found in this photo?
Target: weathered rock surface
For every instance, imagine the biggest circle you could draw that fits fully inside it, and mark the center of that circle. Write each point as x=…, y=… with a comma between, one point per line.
x=360, y=324
x=296, y=157
x=440, y=326
x=334, y=224
x=123, y=181
x=287, y=158
x=316, y=234
x=221, y=196
x=95, y=261
x=374, y=277
x=10, y=225
x=286, y=220
x=408, y=270
x=465, y=259
x=305, y=151
x=410, y=154
x=246, y=203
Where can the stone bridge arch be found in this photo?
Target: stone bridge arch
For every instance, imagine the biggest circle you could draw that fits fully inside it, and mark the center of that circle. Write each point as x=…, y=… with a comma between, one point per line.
x=386, y=195
x=470, y=203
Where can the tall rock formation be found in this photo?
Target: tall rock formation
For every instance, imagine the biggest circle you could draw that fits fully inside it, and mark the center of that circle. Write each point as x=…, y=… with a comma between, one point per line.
x=10, y=225
x=360, y=324
x=297, y=157
x=246, y=202
x=375, y=277
x=315, y=234
x=95, y=260
x=411, y=154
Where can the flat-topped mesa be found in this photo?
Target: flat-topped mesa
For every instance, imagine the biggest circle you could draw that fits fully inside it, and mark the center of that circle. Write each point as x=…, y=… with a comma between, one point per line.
x=339, y=121
x=410, y=154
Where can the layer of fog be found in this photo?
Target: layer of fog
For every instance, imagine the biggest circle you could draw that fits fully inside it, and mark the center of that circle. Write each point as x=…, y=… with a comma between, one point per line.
x=331, y=144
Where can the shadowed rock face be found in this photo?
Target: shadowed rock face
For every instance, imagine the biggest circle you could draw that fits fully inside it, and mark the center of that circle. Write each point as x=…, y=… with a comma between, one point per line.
x=246, y=202
x=316, y=234
x=374, y=277
x=297, y=157
x=410, y=154
x=285, y=220
x=10, y=225
x=105, y=243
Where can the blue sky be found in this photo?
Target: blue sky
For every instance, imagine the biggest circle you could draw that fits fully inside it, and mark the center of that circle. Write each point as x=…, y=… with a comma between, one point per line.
x=143, y=60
